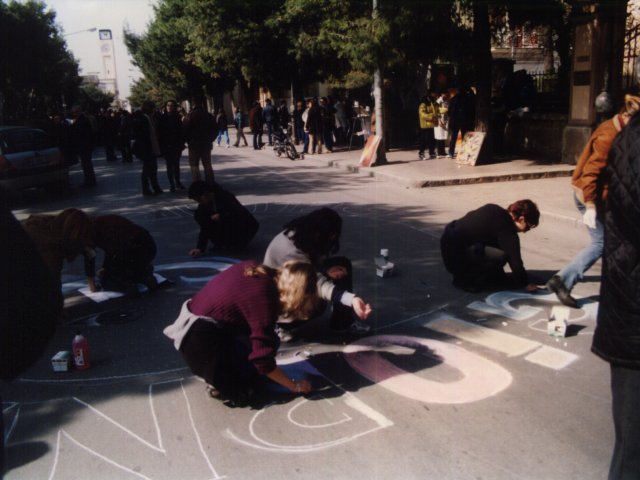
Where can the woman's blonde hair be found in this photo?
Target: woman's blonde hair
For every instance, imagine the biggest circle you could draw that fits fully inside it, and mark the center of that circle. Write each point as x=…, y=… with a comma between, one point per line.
x=298, y=290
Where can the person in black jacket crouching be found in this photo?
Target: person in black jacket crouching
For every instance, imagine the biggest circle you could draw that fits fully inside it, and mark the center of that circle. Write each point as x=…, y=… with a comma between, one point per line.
x=476, y=247
x=222, y=218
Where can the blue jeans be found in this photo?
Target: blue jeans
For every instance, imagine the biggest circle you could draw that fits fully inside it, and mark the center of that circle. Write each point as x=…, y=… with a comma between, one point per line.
x=574, y=271
x=223, y=133
x=270, y=132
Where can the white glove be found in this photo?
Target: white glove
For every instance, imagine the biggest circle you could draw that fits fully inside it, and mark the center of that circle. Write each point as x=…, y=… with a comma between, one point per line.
x=589, y=218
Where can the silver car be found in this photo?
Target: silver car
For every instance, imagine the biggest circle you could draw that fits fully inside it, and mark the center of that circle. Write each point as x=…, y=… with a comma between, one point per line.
x=29, y=158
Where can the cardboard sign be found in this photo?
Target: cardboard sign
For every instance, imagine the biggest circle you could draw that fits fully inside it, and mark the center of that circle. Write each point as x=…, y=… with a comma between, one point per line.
x=470, y=148
x=369, y=150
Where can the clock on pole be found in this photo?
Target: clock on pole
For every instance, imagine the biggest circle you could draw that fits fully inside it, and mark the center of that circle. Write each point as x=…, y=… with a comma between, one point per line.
x=109, y=77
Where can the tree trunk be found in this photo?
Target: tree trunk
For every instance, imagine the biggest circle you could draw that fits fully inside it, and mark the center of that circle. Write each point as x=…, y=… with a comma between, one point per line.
x=482, y=55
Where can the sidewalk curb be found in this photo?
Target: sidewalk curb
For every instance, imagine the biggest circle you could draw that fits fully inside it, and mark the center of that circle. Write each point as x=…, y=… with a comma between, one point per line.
x=376, y=172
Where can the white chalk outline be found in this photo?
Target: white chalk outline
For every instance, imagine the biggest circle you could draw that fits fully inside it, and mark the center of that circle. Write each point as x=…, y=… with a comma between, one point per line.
x=487, y=377
x=349, y=399
x=158, y=448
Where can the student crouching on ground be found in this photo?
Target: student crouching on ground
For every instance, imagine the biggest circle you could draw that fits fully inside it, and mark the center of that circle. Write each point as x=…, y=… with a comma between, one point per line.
x=226, y=332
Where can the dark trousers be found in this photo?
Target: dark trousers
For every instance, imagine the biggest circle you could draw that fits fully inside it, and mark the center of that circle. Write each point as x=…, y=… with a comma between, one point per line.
x=625, y=392
x=269, y=133
x=125, y=149
x=327, y=135
x=257, y=140
x=427, y=140
x=86, y=163
x=454, y=138
x=215, y=354
x=149, y=175
x=132, y=265
x=476, y=264
x=173, y=168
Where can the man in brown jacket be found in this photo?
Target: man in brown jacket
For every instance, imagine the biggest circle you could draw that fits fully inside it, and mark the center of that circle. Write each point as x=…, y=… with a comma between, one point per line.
x=590, y=194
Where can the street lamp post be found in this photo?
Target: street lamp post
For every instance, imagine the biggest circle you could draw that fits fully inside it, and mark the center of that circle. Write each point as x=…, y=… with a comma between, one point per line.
x=92, y=29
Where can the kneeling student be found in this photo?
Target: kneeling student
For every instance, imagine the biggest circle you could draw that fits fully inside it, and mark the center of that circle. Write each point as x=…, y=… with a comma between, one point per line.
x=223, y=220
x=476, y=247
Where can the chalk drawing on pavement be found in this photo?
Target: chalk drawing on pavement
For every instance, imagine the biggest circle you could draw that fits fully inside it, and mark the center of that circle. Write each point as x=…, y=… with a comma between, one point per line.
x=212, y=266
x=120, y=447
x=348, y=418
x=480, y=378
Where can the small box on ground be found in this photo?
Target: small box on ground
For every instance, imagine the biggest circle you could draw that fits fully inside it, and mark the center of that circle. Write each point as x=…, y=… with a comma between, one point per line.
x=61, y=361
x=558, y=321
x=385, y=270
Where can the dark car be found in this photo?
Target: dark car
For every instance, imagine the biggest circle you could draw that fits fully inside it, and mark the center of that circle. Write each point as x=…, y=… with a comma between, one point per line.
x=29, y=158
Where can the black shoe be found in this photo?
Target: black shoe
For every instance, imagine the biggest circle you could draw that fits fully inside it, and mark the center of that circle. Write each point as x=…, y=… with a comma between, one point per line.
x=556, y=285
x=148, y=193
x=157, y=191
x=180, y=186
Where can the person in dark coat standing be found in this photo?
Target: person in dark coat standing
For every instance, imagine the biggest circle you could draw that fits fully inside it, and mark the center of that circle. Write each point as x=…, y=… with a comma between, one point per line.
x=256, y=124
x=461, y=117
x=199, y=130
x=617, y=335
x=171, y=144
x=147, y=148
x=82, y=143
x=223, y=220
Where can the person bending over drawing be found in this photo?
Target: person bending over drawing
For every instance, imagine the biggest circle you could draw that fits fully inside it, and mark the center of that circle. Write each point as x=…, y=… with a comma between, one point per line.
x=129, y=251
x=312, y=238
x=476, y=247
x=237, y=307
x=223, y=220
x=58, y=238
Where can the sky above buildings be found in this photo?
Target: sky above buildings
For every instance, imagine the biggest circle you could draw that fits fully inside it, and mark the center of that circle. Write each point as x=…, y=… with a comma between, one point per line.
x=76, y=17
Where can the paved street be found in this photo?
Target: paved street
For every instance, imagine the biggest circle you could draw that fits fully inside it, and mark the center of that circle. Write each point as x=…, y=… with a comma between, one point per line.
x=448, y=385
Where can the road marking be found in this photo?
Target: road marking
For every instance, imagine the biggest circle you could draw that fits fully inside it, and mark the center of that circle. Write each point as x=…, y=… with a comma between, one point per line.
x=481, y=378
x=511, y=345
x=551, y=357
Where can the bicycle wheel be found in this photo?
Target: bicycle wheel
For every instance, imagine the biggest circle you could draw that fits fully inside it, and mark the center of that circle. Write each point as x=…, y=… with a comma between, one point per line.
x=290, y=149
x=277, y=148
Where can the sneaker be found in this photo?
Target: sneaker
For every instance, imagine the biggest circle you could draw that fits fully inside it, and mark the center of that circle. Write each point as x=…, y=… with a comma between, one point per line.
x=557, y=286
x=359, y=327
x=421, y=156
x=285, y=336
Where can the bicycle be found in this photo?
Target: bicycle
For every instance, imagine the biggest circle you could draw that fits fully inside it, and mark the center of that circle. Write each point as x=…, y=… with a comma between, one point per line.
x=283, y=144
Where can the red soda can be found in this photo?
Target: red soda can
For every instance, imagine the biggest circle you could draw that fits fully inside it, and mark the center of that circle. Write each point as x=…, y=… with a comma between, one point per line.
x=80, y=349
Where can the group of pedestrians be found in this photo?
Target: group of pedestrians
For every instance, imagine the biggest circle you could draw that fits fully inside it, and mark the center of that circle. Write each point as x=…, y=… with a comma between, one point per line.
x=442, y=118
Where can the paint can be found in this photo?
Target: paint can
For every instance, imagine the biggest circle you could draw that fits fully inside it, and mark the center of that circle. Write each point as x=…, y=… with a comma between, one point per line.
x=558, y=321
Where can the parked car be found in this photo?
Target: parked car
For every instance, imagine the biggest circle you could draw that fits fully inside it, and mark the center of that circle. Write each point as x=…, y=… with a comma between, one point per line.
x=29, y=158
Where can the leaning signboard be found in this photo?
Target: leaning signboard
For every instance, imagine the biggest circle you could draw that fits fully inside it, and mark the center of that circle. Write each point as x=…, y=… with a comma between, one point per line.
x=470, y=148
x=369, y=151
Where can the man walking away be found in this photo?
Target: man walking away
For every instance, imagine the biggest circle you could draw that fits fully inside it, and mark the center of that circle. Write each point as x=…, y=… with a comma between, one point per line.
x=199, y=130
